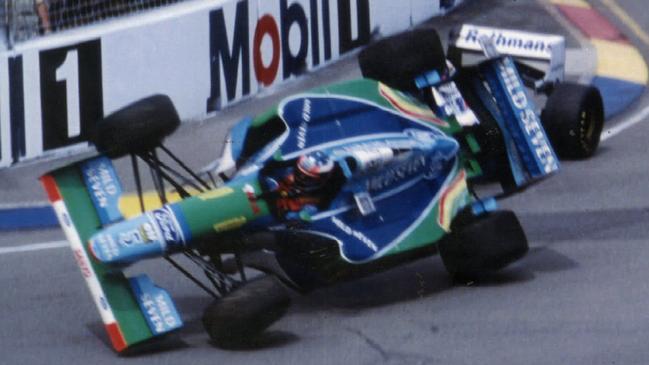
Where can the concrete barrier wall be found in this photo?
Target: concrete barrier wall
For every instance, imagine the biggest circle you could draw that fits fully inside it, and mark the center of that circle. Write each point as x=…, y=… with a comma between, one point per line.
x=204, y=54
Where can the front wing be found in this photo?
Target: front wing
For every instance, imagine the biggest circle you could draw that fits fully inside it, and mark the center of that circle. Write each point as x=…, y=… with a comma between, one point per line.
x=133, y=310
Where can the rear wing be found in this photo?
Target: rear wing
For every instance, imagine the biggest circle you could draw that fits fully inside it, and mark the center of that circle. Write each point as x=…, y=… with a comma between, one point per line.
x=540, y=58
x=530, y=153
x=499, y=86
x=85, y=197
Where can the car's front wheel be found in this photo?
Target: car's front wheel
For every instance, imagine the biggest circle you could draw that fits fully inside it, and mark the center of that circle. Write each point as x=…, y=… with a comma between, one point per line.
x=397, y=60
x=482, y=244
x=240, y=316
x=138, y=127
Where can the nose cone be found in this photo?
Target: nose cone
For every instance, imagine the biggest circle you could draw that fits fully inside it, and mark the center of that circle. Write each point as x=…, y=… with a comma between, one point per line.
x=128, y=241
x=103, y=248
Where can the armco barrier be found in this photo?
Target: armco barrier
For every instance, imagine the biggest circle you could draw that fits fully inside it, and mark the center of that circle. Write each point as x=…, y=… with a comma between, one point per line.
x=204, y=54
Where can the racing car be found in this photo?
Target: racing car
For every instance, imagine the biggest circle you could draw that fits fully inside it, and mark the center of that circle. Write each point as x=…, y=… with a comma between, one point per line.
x=331, y=184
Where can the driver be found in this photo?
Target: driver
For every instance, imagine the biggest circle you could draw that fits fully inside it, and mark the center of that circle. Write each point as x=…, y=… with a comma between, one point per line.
x=300, y=191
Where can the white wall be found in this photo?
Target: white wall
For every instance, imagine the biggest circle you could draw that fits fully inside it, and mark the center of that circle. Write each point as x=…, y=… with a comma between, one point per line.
x=53, y=89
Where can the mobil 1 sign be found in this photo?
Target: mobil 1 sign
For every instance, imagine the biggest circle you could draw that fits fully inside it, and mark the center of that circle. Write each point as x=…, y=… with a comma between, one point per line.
x=71, y=93
x=55, y=99
x=255, y=44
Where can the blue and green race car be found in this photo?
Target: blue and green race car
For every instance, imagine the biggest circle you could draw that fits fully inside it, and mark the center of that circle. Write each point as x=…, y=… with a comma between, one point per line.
x=330, y=185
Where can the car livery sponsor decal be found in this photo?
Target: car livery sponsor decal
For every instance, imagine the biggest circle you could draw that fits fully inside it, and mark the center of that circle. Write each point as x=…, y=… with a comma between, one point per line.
x=156, y=305
x=518, y=112
x=149, y=235
x=303, y=128
x=398, y=173
x=428, y=162
x=396, y=142
x=340, y=120
x=103, y=247
x=82, y=260
x=401, y=206
x=354, y=233
x=230, y=224
x=104, y=188
x=83, y=264
x=137, y=235
x=65, y=220
x=158, y=313
x=169, y=227
x=531, y=122
x=103, y=302
x=512, y=42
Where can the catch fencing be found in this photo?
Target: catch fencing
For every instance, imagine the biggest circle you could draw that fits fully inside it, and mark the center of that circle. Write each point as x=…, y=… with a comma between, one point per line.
x=23, y=20
x=57, y=82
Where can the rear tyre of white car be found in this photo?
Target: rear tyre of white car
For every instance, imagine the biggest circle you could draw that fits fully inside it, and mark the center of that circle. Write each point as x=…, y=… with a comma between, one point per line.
x=573, y=119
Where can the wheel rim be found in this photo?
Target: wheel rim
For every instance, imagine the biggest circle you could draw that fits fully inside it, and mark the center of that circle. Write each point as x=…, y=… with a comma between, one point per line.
x=588, y=128
x=589, y=124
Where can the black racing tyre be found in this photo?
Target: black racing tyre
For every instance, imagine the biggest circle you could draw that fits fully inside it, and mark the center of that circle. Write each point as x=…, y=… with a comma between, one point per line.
x=482, y=244
x=240, y=316
x=396, y=61
x=138, y=127
x=573, y=119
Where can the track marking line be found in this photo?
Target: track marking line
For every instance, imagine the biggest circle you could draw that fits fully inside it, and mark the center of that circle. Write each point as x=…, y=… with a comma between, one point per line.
x=620, y=61
x=28, y=204
x=633, y=120
x=577, y=3
x=627, y=20
x=33, y=247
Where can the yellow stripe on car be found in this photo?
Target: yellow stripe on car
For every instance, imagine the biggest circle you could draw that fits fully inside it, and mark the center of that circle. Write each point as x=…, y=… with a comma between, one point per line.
x=450, y=200
x=230, y=224
x=129, y=204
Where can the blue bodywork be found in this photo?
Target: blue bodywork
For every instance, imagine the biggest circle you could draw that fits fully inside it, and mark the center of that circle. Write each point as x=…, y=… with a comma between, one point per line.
x=529, y=150
x=400, y=165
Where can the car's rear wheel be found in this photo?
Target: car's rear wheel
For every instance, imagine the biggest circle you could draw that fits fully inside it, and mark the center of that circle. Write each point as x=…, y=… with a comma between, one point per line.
x=573, y=119
x=482, y=244
x=138, y=127
x=239, y=317
x=398, y=60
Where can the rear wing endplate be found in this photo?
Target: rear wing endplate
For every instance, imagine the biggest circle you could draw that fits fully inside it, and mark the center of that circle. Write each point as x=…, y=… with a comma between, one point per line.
x=549, y=49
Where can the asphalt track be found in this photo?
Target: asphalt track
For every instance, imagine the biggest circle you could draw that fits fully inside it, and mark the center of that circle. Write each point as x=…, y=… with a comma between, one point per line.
x=579, y=297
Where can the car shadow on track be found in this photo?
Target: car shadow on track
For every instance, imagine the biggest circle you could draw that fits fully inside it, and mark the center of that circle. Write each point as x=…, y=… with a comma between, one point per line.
x=266, y=340
x=418, y=280
x=426, y=278
x=421, y=279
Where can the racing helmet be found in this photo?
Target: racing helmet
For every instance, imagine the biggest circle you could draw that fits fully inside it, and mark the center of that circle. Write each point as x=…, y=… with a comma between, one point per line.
x=313, y=171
